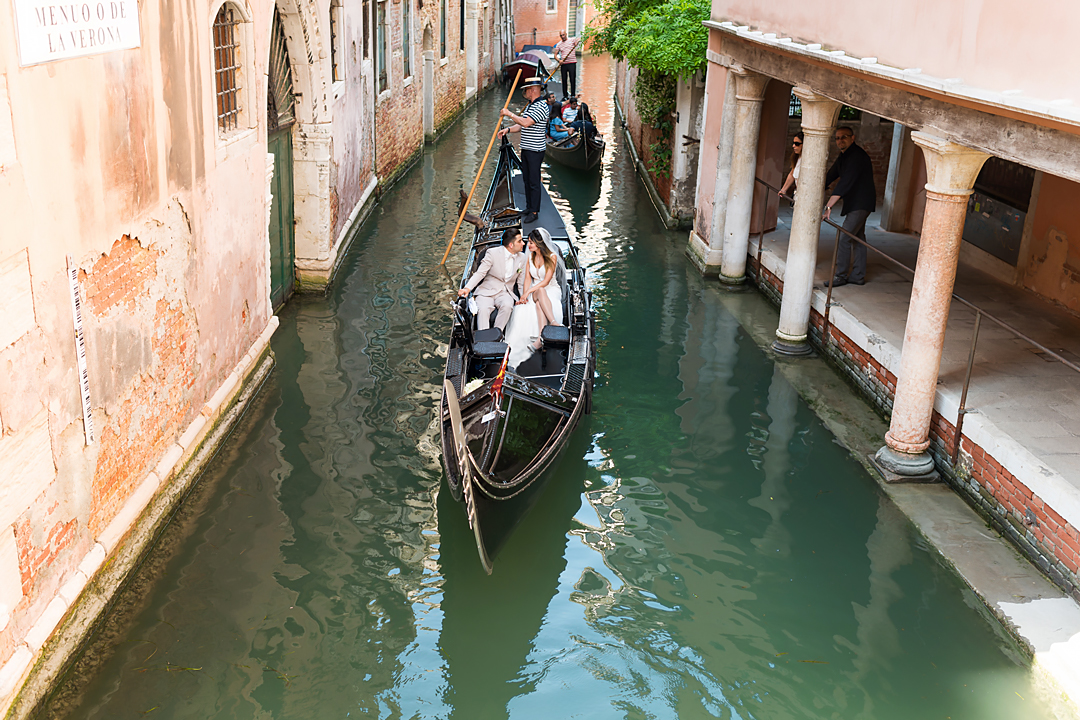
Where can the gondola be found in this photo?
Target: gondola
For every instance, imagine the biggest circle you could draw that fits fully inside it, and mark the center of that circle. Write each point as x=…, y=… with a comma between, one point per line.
x=502, y=428
x=577, y=151
x=532, y=60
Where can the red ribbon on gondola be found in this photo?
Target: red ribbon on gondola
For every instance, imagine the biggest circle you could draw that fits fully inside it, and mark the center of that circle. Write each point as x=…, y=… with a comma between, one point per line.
x=496, y=387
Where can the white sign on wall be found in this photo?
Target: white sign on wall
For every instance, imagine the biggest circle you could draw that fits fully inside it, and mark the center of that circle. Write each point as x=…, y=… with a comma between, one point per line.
x=50, y=30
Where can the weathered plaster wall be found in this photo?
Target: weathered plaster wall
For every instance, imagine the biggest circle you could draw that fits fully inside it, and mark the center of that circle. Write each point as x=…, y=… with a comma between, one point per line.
x=352, y=148
x=1053, y=270
x=977, y=41
x=715, y=87
x=116, y=161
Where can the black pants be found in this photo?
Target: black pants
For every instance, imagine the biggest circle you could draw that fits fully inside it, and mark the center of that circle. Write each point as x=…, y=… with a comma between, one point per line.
x=530, y=168
x=569, y=75
x=854, y=223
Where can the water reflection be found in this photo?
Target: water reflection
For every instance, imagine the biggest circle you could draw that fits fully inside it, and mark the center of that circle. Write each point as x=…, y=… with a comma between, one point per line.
x=707, y=549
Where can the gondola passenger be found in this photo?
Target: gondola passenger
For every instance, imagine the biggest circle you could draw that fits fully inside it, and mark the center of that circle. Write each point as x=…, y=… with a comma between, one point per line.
x=556, y=128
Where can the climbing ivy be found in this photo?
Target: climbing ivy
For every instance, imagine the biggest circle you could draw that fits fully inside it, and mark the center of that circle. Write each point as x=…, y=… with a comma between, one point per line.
x=654, y=94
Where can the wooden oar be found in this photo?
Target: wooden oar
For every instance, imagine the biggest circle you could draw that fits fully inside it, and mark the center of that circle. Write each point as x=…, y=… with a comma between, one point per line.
x=465, y=207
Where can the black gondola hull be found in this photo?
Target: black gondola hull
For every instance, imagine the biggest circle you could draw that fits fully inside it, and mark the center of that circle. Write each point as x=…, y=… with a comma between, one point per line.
x=583, y=155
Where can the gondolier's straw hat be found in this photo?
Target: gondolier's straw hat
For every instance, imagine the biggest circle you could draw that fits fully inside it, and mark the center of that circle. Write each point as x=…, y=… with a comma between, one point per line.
x=532, y=82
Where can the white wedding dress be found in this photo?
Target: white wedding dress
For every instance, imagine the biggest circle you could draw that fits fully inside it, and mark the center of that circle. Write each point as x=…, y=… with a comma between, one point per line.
x=524, y=327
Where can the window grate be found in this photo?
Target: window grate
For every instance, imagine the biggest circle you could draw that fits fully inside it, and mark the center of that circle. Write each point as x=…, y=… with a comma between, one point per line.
x=227, y=69
x=794, y=107
x=406, y=41
x=335, y=41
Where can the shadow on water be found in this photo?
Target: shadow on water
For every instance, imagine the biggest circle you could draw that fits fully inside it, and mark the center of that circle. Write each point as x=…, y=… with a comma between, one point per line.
x=491, y=621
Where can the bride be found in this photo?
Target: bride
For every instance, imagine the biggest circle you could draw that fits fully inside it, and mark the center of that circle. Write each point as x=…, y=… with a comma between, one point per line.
x=541, y=299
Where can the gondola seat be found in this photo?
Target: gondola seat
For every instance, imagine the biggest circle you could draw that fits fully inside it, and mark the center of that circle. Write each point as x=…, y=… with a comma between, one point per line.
x=489, y=350
x=555, y=336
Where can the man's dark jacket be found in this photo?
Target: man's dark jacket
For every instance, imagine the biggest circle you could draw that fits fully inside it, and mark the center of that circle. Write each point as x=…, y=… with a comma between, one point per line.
x=856, y=186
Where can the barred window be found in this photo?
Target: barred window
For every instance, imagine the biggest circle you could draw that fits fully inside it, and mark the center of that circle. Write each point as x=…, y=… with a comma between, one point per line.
x=442, y=29
x=381, y=39
x=227, y=68
x=367, y=25
x=337, y=51
x=406, y=42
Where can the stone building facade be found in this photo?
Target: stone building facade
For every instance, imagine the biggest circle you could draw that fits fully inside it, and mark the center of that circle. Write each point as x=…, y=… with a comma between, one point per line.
x=451, y=52
x=979, y=187
x=169, y=174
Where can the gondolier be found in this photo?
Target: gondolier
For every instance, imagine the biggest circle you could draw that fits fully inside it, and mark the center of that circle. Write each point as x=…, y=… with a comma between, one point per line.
x=532, y=124
x=566, y=53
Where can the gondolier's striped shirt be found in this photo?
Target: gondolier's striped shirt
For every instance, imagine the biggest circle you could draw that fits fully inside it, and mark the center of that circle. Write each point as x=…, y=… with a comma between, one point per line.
x=534, y=137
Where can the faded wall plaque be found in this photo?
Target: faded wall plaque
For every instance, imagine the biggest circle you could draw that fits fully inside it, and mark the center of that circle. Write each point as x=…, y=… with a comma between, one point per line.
x=50, y=30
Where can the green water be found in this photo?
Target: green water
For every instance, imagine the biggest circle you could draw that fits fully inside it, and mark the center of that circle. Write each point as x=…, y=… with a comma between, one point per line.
x=706, y=550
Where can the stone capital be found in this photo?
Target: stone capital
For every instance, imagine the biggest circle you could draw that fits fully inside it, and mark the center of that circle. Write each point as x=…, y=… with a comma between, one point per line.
x=749, y=85
x=819, y=113
x=951, y=169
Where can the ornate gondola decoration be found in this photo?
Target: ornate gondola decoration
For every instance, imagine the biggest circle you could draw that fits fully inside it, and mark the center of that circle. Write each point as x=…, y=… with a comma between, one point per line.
x=503, y=427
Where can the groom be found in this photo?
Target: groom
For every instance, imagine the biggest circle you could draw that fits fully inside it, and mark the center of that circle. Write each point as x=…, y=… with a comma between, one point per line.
x=501, y=269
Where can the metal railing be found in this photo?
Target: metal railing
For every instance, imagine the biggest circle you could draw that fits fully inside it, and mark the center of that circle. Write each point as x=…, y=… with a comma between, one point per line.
x=979, y=312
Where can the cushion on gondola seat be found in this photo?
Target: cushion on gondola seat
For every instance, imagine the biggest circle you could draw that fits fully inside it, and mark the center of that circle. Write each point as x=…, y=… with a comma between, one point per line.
x=489, y=349
x=492, y=334
x=555, y=336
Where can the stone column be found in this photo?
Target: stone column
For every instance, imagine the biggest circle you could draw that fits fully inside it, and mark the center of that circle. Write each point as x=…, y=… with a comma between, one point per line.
x=951, y=170
x=819, y=115
x=749, y=94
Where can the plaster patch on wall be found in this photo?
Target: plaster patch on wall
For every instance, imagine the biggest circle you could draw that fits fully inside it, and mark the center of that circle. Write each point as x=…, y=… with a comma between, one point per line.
x=26, y=466
x=19, y=317
x=8, y=155
x=1054, y=275
x=10, y=577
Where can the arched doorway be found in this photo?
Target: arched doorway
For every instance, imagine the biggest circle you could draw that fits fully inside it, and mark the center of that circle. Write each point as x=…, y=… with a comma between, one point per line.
x=280, y=119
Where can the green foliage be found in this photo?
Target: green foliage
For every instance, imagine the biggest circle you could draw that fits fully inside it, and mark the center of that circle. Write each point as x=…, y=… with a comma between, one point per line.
x=661, y=36
x=660, y=156
x=654, y=95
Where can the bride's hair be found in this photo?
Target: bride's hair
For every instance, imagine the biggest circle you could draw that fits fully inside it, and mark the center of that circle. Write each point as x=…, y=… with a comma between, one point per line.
x=538, y=241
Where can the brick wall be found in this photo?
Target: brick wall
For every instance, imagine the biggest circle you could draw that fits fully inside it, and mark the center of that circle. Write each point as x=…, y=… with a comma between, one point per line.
x=399, y=116
x=1011, y=507
x=530, y=14
x=642, y=135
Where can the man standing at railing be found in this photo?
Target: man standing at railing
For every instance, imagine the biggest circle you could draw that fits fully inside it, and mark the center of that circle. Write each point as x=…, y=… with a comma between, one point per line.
x=855, y=175
x=566, y=51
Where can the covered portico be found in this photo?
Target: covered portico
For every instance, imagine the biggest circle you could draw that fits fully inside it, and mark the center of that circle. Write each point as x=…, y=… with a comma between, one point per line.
x=900, y=337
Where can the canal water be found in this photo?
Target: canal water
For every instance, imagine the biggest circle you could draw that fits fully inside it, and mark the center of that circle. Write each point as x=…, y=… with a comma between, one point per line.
x=706, y=550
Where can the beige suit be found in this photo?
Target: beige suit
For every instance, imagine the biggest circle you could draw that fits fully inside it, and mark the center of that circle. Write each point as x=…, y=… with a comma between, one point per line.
x=492, y=284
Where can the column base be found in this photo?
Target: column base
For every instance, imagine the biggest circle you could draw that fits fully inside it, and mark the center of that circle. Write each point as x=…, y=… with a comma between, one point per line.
x=898, y=467
x=791, y=348
x=733, y=283
x=706, y=261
